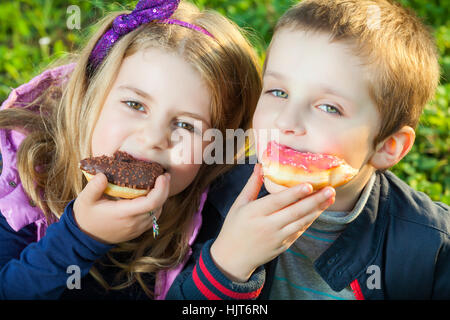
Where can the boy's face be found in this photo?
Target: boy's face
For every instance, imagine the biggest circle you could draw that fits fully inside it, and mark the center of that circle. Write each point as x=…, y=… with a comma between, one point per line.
x=315, y=95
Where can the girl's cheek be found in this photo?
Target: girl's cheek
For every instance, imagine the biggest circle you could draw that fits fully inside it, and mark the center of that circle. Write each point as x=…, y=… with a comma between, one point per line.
x=187, y=149
x=106, y=139
x=182, y=176
x=188, y=160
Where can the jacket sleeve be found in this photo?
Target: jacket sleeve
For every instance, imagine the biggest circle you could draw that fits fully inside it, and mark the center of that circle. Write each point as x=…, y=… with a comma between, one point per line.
x=43, y=270
x=202, y=280
x=441, y=287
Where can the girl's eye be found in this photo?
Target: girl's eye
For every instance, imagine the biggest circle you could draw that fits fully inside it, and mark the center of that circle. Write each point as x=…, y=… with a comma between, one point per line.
x=329, y=109
x=135, y=105
x=278, y=93
x=185, y=125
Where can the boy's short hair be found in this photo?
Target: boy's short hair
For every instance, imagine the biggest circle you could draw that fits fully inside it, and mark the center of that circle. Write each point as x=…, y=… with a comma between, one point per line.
x=397, y=47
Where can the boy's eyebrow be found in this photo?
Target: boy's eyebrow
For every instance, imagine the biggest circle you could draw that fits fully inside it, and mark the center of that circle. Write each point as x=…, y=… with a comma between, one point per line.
x=147, y=96
x=327, y=89
x=274, y=74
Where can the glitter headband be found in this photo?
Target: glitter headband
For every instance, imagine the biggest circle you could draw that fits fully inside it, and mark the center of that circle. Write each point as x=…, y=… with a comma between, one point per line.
x=146, y=11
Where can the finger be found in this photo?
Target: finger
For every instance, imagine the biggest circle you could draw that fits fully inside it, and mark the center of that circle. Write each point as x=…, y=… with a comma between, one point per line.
x=251, y=189
x=277, y=201
x=293, y=231
x=153, y=200
x=305, y=211
x=94, y=189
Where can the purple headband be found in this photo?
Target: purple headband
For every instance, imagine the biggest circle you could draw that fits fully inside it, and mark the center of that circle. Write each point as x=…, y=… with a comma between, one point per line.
x=145, y=12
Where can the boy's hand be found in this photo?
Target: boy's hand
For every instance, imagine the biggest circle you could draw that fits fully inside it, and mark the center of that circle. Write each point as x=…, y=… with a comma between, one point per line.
x=256, y=231
x=115, y=221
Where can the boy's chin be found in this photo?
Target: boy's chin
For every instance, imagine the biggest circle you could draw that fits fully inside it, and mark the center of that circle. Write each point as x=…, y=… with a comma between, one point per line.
x=272, y=187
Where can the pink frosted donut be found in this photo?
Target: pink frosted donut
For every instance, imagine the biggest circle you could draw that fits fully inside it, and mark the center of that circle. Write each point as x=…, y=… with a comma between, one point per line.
x=288, y=167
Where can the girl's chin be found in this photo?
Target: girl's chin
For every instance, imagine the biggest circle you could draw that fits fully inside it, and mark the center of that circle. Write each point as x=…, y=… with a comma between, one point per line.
x=272, y=187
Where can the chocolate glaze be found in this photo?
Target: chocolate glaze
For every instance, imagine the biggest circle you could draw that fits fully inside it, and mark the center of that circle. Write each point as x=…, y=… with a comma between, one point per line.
x=124, y=170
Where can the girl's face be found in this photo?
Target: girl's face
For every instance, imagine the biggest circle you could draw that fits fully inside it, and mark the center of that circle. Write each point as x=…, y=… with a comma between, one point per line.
x=157, y=110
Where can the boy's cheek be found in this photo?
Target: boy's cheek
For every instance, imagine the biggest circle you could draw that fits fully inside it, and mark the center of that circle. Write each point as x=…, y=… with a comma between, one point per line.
x=263, y=116
x=264, y=130
x=353, y=147
x=263, y=137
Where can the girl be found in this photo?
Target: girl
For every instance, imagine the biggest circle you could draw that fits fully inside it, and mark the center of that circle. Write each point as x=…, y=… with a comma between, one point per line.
x=146, y=77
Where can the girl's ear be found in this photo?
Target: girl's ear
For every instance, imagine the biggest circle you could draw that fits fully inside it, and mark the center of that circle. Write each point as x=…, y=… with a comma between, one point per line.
x=390, y=151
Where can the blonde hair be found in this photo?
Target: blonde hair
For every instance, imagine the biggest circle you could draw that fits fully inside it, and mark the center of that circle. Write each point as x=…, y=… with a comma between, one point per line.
x=60, y=135
x=397, y=47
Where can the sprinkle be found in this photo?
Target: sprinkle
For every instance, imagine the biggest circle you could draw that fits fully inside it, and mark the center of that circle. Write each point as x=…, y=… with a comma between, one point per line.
x=124, y=170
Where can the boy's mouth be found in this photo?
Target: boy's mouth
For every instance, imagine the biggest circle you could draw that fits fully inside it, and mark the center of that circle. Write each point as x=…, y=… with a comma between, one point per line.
x=298, y=158
x=288, y=167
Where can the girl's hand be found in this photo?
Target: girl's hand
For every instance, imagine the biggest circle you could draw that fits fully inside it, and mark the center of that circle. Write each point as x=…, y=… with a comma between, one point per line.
x=115, y=221
x=256, y=231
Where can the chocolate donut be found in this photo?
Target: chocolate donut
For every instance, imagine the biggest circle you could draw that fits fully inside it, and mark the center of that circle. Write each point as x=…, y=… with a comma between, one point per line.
x=127, y=176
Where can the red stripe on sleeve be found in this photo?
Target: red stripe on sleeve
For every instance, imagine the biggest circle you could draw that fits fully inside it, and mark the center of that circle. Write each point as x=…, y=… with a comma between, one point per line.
x=226, y=291
x=202, y=288
x=356, y=290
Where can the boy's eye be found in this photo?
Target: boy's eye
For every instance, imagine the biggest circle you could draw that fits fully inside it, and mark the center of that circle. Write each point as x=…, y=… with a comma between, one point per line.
x=278, y=93
x=329, y=109
x=135, y=105
x=185, y=125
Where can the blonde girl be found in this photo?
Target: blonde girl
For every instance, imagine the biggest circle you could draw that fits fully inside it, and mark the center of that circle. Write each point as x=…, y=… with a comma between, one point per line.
x=163, y=70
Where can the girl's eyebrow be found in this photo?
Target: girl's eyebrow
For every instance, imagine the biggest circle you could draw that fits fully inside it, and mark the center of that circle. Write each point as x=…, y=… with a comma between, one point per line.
x=147, y=96
x=138, y=91
x=195, y=116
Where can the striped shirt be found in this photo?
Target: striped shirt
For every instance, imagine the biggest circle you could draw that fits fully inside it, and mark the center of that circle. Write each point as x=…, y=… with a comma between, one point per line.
x=295, y=276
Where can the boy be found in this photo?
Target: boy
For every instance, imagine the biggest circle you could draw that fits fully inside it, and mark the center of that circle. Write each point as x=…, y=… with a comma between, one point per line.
x=346, y=78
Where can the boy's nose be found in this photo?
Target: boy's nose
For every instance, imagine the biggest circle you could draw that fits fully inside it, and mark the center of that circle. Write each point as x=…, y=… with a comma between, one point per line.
x=290, y=123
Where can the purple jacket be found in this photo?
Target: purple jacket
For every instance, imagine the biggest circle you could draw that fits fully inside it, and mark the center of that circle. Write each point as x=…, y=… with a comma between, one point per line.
x=15, y=205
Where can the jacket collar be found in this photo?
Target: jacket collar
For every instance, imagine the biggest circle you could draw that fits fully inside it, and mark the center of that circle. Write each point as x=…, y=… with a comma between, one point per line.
x=355, y=250
x=352, y=253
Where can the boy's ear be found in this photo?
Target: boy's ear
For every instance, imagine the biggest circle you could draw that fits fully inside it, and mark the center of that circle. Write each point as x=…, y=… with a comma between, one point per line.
x=390, y=151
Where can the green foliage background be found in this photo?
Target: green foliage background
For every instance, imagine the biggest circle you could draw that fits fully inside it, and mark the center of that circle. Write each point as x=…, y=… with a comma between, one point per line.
x=34, y=32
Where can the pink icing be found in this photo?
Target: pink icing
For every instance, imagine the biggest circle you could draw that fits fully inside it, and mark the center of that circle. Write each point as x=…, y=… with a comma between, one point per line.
x=305, y=160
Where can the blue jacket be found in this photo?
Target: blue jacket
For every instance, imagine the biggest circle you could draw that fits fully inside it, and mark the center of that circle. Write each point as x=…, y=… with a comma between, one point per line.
x=397, y=248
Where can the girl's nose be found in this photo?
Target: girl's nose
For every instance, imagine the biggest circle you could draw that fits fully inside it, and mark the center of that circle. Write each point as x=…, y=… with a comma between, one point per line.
x=155, y=137
x=289, y=121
